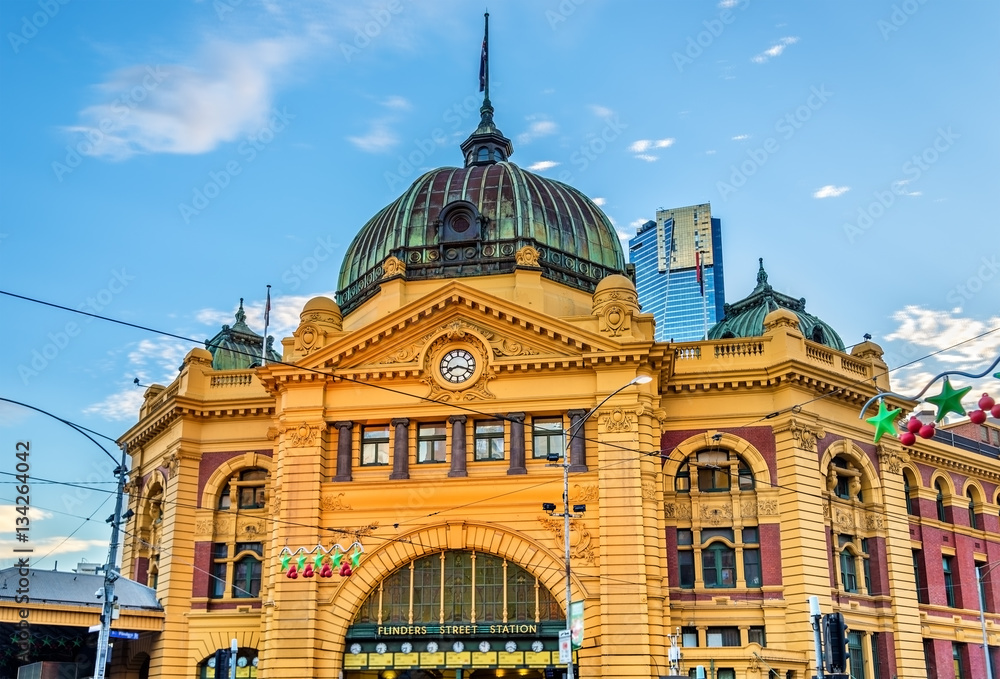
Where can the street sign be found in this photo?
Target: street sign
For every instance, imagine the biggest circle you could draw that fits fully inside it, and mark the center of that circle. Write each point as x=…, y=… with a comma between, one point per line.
x=116, y=634
x=565, y=646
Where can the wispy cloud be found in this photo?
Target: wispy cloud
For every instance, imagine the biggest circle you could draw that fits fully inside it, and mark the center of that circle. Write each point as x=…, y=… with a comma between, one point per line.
x=599, y=201
x=741, y=137
x=897, y=187
x=601, y=111
x=226, y=93
x=647, y=157
x=537, y=128
x=774, y=50
x=831, y=191
x=397, y=102
x=379, y=138
x=643, y=145
x=542, y=165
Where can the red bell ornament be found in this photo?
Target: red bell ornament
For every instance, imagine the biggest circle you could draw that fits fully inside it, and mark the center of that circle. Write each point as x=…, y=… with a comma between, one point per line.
x=292, y=572
x=308, y=572
x=995, y=411
x=345, y=570
x=326, y=571
x=927, y=431
x=986, y=402
x=913, y=425
x=907, y=438
x=977, y=416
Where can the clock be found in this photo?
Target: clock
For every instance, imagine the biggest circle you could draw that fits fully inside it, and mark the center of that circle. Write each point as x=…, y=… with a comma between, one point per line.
x=484, y=647
x=510, y=647
x=458, y=647
x=241, y=661
x=355, y=649
x=432, y=647
x=406, y=647
x=381, y=648
x=255, y=660
x=211, y=661
x=457, y=366
x=537, y=646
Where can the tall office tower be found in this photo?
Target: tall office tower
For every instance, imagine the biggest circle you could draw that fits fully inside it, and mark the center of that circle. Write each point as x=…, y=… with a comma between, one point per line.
x=678, y=271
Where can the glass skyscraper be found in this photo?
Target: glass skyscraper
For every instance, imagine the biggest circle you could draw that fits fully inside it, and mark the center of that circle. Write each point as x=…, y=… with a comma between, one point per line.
x=667, y=254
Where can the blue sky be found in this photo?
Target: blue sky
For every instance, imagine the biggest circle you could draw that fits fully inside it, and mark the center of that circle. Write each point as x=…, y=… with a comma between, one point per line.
x=161, y=160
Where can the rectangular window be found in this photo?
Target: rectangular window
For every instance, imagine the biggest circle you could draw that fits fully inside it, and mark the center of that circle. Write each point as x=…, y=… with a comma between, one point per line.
x=431, y=439
x=876, y=668
x=217, y=571
x=949, y=582
x=848, y=574
x=251, y=497
x=489, y=440
x=427, y=590
x=547, y=437
x=919, y=579
x=684, y=536
x=756, y=635
x=751, y=536
x=751, y=567
x=980, y=567
x=722, y=636
x=685, y=562
x=689, y=637
x=246, y=570
x=866, y=564
x=857, y=653
x=719, y=566
x=984, y=433
x=375, y=445
x=708, y=533
x=995, y=435
x=958, y=661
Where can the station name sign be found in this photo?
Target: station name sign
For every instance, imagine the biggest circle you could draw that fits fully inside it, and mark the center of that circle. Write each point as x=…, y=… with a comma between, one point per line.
x=454, y=630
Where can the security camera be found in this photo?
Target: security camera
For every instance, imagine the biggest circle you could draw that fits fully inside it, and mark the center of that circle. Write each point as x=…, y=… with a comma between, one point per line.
x=99, y=593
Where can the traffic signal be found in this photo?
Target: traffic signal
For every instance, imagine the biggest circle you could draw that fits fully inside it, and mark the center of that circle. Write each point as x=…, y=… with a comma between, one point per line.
x=222, y=663
x=835, y=648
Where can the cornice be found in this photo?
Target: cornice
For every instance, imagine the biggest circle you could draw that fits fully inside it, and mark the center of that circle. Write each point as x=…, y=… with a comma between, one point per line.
x=148, y=429
x=941, y=460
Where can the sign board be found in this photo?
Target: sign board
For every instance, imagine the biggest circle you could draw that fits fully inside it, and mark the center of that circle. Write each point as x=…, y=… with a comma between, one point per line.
x=116, y=634
x=565, y=646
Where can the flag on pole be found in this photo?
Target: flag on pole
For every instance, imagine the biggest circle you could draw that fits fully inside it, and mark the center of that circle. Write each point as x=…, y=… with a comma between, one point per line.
x=267, y=309
x=701, y=277
x=482, y=66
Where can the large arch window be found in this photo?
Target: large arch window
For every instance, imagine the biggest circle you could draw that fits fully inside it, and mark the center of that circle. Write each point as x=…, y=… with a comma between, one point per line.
x=245, y=489
x=715, y=472
x=459, y=586
x=246, y=665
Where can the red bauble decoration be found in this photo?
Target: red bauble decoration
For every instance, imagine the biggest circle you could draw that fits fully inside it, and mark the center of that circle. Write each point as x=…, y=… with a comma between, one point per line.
x=978, y=416
x=995, y=412
x=913, y=425
x=292, y=572
x=907, y=438
x=986, y=402
x=927, y=431
x=345, y=570
x=308, y=571
x=326, y=571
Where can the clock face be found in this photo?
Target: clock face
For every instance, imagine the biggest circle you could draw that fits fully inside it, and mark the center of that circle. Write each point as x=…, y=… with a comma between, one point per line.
x=355, y=648
x=241, y=661
x=537, y=646
x=457, y=366
x=510, y=646
x=211, y=661
x=484, y=646
x=432, y=647
x=458, y=647
x=381, y=648
x=406, y=647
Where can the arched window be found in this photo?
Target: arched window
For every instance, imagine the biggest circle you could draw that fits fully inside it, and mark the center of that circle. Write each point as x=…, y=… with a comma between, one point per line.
x=972, y=509
x=246, y=488
x=682, y=481
x=908, y=488
x=847, y=484
x=484, y=154
x=715, y=472
x=246, y=665
x=851, y=551
x=939, y=501
x=718, y=565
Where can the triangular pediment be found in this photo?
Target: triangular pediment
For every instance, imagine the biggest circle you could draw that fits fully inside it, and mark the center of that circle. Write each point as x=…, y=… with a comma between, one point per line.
x=511, y=334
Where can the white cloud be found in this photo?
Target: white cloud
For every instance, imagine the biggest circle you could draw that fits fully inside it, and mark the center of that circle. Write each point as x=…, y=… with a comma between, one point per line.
x=636, y=223
x=227, y=93
x=542, y=165
x=9, y=514
x=50, y=547
x=710, y=152
x=643, y=145
x=379, y=138
x=397, y=102
x=741, y=137
x=647, y=157
x=538, y=128
x=601, y=111
x=599, y=201
x=728, y=4
x=898, y=188
x=123, y=405
x=774, y=51
x=831, y=191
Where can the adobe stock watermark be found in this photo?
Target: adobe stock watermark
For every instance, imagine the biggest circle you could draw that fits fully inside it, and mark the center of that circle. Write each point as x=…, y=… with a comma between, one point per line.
x=786, y=126
x=381, y=17
x=121, y=107
x=975, y=284
x=297, y=274
x=701, y=41
x=595, y=146
x=48, y=9
x=423, y=148
x=900, y=14
x=913, y=169
x=564, y=10
x=250, y=147
x=42, y=357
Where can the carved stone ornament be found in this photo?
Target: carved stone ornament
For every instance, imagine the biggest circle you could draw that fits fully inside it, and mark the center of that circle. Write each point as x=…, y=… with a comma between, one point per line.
x=619, y=419
x=302, y=435
x=767, y=507
x=211, y=527
x=843, y=519
x=527, y=256
x=249, y=529
x=583, y=493
x=510, y=347
x=748, y=510
x=332, y=503
x=873, y=521
x=275, y=500
x=579, y=538
x=684, y=510
x=717, y=514
x=393, y=266
x=805, y=435
x=173, y=462
x=891, y=460
x=615, y=320
x=472, y=390
x=648, y=490
x=669, y=510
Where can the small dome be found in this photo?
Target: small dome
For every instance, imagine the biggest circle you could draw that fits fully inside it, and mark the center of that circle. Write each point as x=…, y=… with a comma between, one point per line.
x=615, y=282
x=746, y=317
x=321, y=304
x=238, y=347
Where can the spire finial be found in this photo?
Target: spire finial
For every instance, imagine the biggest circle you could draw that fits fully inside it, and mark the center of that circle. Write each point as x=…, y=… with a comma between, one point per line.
x=761, y=274
x=487, y=145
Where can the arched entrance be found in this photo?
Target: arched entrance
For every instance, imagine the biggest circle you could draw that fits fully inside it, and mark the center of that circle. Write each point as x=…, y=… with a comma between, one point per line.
x=456, y=615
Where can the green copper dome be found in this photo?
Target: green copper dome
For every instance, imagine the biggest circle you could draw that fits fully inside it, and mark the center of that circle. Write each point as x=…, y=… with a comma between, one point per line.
x=471, y=221
x=238, y=347
x=746, y=317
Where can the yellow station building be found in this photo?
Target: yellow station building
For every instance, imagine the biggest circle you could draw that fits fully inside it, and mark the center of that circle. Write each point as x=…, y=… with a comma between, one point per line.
x=480, y=317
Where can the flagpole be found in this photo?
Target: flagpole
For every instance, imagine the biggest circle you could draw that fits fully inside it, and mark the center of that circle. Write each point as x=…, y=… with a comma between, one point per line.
x=267, y=317
x=486, y=56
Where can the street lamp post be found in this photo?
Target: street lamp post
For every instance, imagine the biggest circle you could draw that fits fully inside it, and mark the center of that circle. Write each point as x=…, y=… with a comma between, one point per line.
x=577, y=509
x=982, y=615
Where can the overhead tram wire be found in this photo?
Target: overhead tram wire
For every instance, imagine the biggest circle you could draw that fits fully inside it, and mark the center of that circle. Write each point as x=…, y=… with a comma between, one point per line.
x=81, y=429
x=855, y=381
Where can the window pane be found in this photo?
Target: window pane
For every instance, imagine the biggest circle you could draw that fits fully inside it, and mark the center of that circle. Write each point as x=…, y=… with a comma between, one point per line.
x=375, y=445
x=217, y=584
x=547, y=437
x=255, y=547
x=252, y=497
x=427, y=590
x=520, y=594
x=685, y=562
x=689, y=637
x=431, y=443
x=458, y=587
x=751, y=535
x=253, y=475
x=489, y=588
x=751, y=567
x=684, y=537
x=489, y=440
x=246, y=577
x=757, y=636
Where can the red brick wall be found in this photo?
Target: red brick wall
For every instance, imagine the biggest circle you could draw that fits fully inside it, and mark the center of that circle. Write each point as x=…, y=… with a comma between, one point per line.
x=761, y=438
x=770, y=554
x=202, y=566
x=141, y=573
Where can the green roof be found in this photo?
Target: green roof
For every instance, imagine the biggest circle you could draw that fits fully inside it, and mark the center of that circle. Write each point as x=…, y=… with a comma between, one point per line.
x=238, y=347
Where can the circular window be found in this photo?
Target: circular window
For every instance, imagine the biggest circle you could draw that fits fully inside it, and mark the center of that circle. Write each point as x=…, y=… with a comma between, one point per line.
x=461, y=223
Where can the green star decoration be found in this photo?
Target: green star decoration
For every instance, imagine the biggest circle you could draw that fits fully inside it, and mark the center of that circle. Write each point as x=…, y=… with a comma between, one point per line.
x=885, y=421
x=949, y=400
